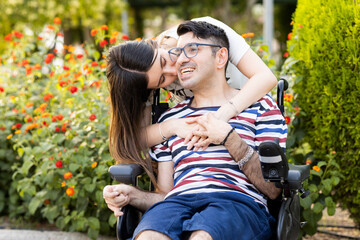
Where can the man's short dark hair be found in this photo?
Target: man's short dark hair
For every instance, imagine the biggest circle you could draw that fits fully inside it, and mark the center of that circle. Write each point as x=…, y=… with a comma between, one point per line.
x=205, y=30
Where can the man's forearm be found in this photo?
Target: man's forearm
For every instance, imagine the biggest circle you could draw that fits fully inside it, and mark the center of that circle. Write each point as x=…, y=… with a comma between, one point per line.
x=252, y=169
x=142, y=200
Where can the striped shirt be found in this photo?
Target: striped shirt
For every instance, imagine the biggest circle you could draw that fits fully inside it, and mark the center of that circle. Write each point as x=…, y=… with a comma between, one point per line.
x=214, y=170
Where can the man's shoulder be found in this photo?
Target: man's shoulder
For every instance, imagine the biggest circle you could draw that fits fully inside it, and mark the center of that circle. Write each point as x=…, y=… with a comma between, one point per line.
x=175, y=111
x=266, y=103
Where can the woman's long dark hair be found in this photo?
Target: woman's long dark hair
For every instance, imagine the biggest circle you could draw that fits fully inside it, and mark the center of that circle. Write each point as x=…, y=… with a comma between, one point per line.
x=127, y=78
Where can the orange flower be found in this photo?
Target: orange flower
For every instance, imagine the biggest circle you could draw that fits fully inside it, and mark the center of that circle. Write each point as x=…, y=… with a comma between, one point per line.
x=316, y=168
x=247, y=35
x=68, y=175
x=289, y=36
x=57, y=20
x=70, y=191
x=17, y=131
x=138, y=39
x=18, y=34
x=308, y=161
x=94, y=164
x=47, y=97
x=103, y=65
x=50, y=27
x=93, y=32
x=288, y=97
x=104, y=27
x=37, y=66
x=94, y=64
x=63, y=184
x=112, y=40
x=9, y=136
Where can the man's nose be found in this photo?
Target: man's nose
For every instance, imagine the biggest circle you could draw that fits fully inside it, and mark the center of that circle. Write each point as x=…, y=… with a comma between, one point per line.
x=182, y=58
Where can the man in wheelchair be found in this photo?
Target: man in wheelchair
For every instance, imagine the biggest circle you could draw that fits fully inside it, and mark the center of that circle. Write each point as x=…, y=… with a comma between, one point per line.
x=213, y=193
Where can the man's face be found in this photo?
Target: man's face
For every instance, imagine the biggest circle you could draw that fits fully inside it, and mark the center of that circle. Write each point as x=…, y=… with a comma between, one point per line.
x=194, y=72
x=162, y=72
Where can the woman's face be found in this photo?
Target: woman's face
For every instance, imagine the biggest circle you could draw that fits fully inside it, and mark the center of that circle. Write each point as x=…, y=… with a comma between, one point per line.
x=163, y=71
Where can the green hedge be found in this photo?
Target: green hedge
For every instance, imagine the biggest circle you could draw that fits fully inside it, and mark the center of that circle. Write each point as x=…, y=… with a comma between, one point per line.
x=325, y=62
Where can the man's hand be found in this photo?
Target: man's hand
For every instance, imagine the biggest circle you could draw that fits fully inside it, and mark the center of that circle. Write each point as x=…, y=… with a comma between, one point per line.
x=212, y=130
x=116, y=197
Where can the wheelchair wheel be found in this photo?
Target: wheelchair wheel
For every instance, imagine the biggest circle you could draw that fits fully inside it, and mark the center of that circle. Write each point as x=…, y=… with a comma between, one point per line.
x=289, y=219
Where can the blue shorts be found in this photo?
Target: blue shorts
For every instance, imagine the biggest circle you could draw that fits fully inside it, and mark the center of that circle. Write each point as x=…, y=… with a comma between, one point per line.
x=223, y=215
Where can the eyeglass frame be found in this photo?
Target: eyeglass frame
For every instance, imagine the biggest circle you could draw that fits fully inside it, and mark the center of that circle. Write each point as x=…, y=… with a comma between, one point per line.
x=183, y=50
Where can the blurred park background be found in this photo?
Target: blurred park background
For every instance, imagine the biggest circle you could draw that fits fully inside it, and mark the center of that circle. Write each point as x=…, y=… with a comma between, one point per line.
x=54, y=113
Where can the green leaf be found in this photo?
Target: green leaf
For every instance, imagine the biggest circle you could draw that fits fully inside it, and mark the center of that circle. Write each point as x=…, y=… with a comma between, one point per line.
x=112, y=220
x=306, y=202
x=26, y=166
x=73, y=167
x=59, y=138
x=94, y=223
x=34, y=204
x=318, y=207
x=90, y=187
x=321, y=163
x=335, y=180
x=93, y=233
x=20, y=151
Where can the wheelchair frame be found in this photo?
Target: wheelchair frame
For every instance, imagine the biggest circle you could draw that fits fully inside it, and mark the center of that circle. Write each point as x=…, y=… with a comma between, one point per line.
x=275, y=168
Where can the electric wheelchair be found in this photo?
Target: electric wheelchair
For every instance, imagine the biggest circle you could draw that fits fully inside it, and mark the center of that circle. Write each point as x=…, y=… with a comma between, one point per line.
x=275, y=168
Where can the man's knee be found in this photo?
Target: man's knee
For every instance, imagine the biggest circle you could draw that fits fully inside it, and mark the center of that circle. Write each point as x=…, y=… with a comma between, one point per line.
x=151, y=235
x=200, y=235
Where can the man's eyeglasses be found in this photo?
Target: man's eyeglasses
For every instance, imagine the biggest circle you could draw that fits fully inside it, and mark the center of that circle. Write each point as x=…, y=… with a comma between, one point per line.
x=190, y=50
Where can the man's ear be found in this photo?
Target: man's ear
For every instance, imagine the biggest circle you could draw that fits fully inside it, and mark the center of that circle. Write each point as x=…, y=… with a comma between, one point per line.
x=222, y=56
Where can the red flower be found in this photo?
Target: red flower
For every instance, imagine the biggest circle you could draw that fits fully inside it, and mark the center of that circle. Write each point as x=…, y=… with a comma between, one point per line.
x=18, y=35
x=18, y=126
x=94, y=64
x=73, y=89
x=112, y=40
x=93, y=32
x=103, y=43
x=286, y=54
x=68, y=175
x=45, y=123
x=104, y=27
x=57, y=20
x=297, y=111
x=24, y=62
x=62, y=83
x=66, y=68
x=47, y=97
x=289, y=36
x=287, y=120
x=2, y=89
x=59, y=164
x=70, y=191
x=57, y=129
x=92, y=117
x=79, y=56
x=59, y=117
x=125, y=37
x=49, y=58
x=8, y=37
x=28, y=119
x=63, y=128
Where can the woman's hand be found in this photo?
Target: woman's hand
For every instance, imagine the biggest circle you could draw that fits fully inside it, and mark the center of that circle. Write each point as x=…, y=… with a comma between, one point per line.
x=116, y=197
x=211, y=130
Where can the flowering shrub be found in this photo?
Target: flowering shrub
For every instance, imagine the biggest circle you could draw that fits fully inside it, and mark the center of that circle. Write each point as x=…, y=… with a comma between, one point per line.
x=54, y=130
x=324, y=76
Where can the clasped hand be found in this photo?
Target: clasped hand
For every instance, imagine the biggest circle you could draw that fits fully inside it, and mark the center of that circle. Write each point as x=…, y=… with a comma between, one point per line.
x=116, y=197
x=208, y=129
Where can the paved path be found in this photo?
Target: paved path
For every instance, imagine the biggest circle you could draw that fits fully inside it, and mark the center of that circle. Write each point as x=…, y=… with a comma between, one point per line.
x=12, y=234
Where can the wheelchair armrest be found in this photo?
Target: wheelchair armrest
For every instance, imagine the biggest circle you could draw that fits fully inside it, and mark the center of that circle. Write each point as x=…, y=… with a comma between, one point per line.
x=297, y=174
x=126, y=172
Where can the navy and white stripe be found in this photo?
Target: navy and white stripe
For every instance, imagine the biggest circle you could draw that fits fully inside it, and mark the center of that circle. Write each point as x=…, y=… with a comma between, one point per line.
x=214, y=170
